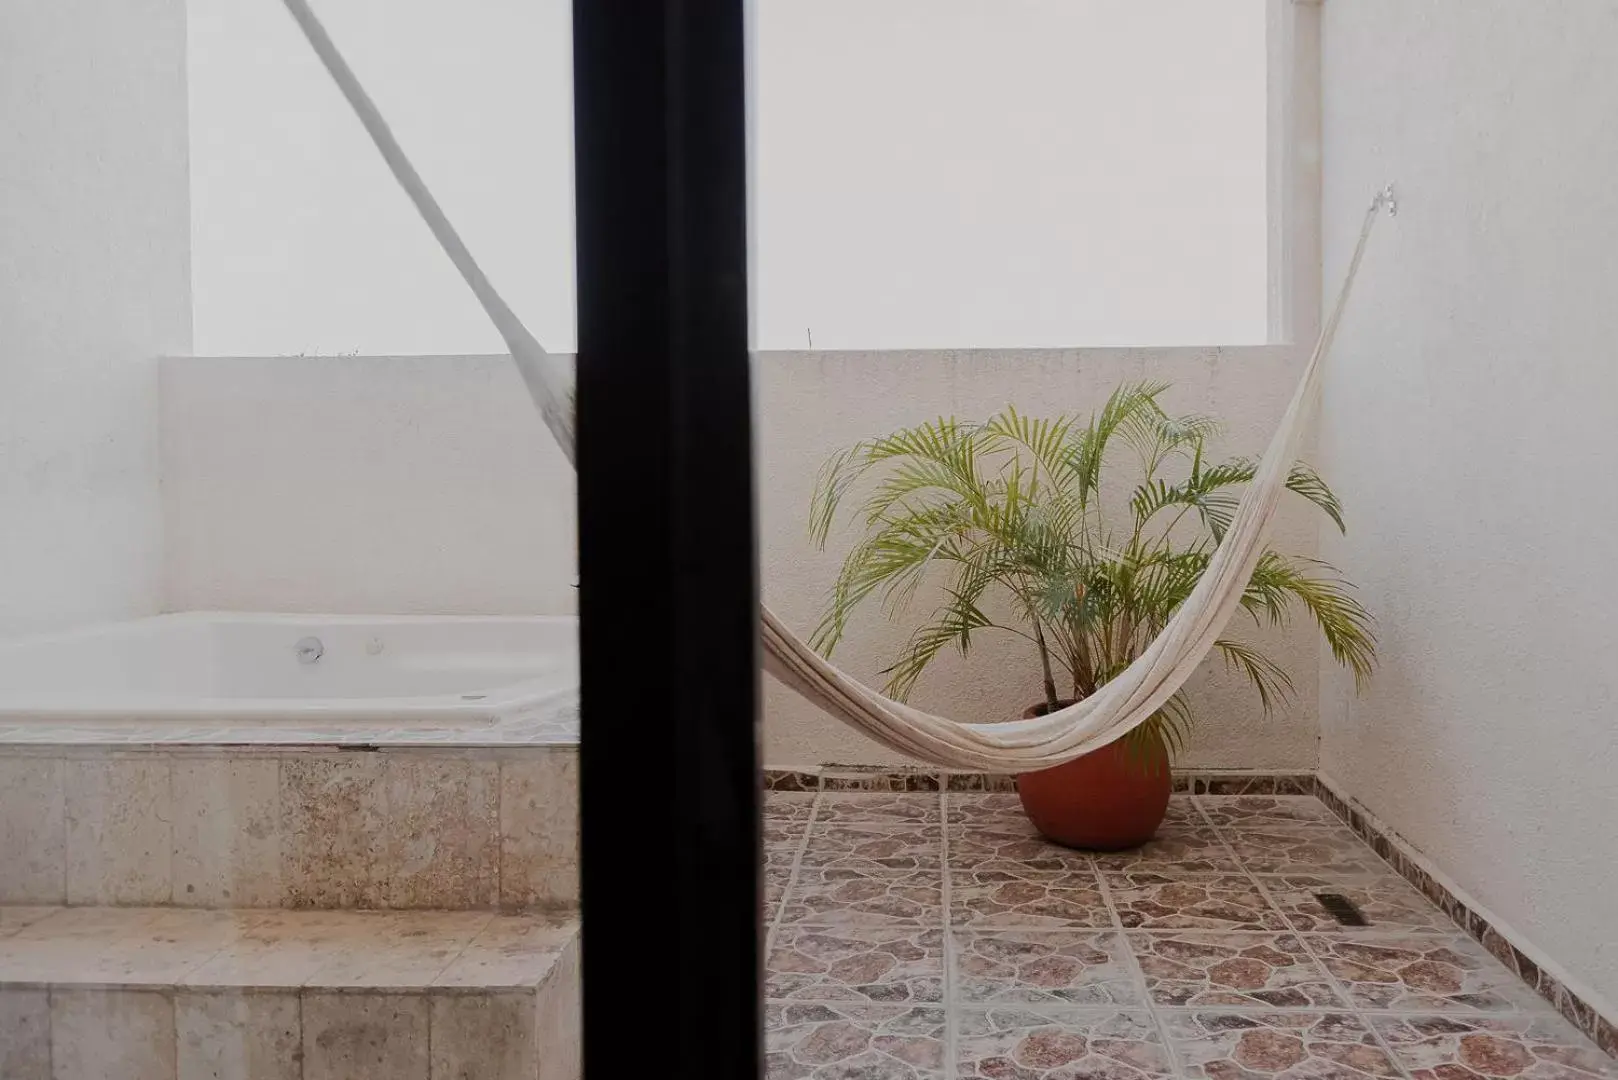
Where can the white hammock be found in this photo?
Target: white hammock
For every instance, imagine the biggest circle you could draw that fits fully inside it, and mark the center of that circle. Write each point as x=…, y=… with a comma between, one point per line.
x=1128, y=700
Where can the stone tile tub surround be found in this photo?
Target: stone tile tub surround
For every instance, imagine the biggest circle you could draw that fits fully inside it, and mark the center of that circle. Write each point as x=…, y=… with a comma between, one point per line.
x=319, y=828
x=1241, y=969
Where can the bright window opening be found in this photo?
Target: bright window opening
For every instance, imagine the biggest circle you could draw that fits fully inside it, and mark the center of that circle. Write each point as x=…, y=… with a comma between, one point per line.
x=928, y=174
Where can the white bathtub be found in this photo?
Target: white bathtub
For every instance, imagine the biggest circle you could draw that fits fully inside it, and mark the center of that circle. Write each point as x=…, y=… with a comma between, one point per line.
x=336, y=678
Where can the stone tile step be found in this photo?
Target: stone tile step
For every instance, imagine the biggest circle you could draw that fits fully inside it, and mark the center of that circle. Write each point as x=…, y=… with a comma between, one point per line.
x=173, y=993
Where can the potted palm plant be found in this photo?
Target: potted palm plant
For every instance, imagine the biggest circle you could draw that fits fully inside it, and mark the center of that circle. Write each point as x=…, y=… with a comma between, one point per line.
x=1023, y=527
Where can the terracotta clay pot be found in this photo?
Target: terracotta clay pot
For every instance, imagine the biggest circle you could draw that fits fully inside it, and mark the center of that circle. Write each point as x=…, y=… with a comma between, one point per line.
x=1103, y=801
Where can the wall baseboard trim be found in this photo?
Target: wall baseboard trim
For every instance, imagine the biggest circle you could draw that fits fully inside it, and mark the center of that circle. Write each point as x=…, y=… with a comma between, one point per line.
x=1508, y=946
x=1581, y=1007
x=891, y=778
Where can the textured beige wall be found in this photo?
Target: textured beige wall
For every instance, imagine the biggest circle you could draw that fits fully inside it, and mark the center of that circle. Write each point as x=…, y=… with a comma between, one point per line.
x=427, y=484
x=1468, y=419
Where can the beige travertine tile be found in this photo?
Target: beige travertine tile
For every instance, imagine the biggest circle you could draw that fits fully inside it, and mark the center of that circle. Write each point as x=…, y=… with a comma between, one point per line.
x=112, y=1035
x=539, y=830
x=153, y=947
x=281, y=949
x=93, y=924
x=237, y=1035
x=443, y=846
x=14, y=918
x=25, y=1035
x=342, y=949
x=33, y=844
x=120, y=837
x=333, y=830
x=511, y=950
x=485, y=1036
x=358, y=1036
x=559, y=1031
x=227, y=834
x=400, y=950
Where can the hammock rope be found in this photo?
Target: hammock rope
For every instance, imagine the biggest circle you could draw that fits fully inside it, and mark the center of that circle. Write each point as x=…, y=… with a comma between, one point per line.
x=1127, y=701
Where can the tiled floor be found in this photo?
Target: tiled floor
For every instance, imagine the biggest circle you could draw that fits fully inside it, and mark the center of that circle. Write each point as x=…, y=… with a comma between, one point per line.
x=932, y=936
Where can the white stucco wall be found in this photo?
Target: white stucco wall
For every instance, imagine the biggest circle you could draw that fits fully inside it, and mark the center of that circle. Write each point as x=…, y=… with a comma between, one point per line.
x=1469, y=414
x=427, y=484
x=94, y=285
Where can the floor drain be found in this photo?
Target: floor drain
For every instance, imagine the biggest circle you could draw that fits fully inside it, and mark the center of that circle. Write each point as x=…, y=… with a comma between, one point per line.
x=1342, y=909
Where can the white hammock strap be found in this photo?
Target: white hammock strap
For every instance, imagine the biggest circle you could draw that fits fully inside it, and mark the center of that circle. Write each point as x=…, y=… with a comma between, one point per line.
x=537, y=369
x=1127, y=701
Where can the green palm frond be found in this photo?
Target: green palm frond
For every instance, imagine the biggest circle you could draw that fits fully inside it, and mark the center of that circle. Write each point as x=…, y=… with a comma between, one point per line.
x=1012, y=510
x=1270, y=681
x=1303, y=480
x=1045, y=440
x=952, y=625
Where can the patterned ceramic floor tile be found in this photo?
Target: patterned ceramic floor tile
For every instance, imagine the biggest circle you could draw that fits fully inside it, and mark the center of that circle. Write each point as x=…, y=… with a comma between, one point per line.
x=978, y=806
x=1177, y=850
x=1020, y=1044
x=1223, y=968
x=871, y=1042
x=858, y=964
x=1387, y=902
x=782, y=840
x=1260, y=811
x=1183, y=812
x=1422, y=973
x=1004, y=842
x=1155, y=902
x=788, y=805
x=1050, y=902
x=875, y=845
x=1534, y=1047
x=1295, y=1045
x=824, y=896
x=991, y=871
x=1303, y=849
x=917, y=806
x=1043, y=967
x=775, y=887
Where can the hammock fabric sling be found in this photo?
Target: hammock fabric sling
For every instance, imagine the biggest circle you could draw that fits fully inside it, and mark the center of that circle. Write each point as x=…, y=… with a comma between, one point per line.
x=1130, y=699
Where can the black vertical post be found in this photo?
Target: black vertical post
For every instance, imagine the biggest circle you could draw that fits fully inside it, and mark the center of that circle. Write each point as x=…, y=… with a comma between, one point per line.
x=668, y=592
